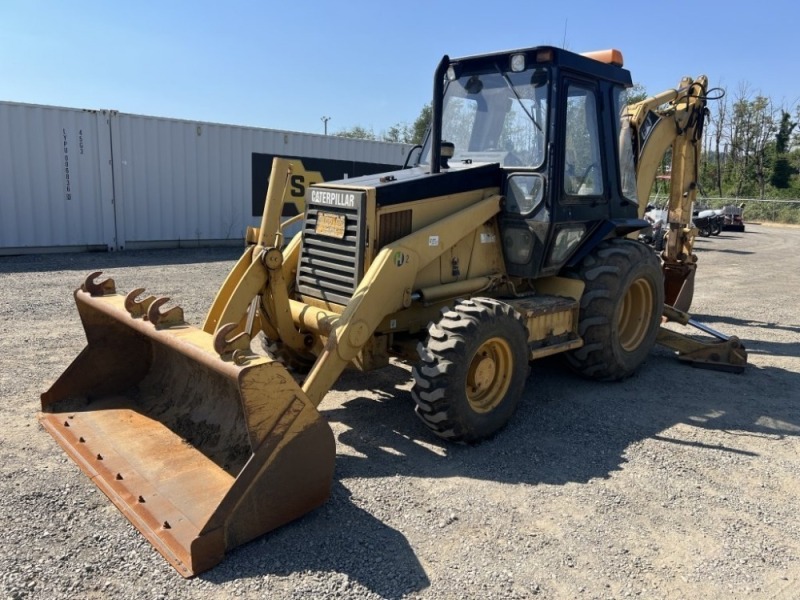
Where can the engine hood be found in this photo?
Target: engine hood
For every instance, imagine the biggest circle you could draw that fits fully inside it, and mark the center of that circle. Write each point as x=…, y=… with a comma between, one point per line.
x=418, y=183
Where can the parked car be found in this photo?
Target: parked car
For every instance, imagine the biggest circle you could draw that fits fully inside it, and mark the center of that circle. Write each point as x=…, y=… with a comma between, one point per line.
x=732, y=217
x=708, y=221
x=654, y=235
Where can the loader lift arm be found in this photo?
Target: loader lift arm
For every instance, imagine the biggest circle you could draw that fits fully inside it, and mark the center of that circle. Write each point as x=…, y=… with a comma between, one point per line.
x=264, y=271
x=387, y=288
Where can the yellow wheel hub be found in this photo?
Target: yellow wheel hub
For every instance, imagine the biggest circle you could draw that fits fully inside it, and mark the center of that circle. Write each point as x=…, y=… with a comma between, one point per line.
x=635, y=314
x=489, y=375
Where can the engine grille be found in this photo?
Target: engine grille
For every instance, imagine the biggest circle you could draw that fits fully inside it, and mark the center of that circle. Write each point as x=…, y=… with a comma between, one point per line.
x=331, y=267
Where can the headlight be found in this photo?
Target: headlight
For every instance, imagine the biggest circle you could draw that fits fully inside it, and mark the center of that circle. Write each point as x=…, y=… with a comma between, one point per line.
x=517, y=62
x=519, y=245
x=566, y=241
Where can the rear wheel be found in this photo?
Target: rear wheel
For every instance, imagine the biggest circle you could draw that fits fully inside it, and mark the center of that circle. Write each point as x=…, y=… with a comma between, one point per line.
x=620, y=310
x=472, y=370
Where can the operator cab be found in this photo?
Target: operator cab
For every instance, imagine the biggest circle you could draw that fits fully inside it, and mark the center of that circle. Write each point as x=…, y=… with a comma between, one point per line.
x=551, y=120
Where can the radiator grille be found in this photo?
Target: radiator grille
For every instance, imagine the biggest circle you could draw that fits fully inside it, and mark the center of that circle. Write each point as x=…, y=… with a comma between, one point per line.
x=331, y=268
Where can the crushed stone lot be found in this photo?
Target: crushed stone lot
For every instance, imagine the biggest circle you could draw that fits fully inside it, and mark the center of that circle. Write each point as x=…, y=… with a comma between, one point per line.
x=676, y=483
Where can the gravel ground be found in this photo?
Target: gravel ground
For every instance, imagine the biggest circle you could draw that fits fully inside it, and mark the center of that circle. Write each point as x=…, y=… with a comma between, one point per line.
x=677, y=483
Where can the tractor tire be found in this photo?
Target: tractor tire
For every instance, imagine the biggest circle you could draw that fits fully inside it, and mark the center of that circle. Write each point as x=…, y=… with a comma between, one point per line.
x=620, y=310
x=472, y=370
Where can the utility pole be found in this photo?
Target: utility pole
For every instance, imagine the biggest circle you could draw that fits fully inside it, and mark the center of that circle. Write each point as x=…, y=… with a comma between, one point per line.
x=325, y=121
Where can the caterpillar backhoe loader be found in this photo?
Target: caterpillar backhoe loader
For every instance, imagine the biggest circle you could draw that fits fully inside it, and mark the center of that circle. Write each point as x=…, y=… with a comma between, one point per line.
x=507, y=242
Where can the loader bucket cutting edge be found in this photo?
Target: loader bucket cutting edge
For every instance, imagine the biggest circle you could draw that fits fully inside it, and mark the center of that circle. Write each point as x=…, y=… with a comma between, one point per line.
x=200, y=454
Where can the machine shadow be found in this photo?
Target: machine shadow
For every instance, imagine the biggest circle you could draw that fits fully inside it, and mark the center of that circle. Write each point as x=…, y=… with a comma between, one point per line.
x=562, y=432
x=727, y=320
x=729, y=251
x=339, y=537
x=707, y=245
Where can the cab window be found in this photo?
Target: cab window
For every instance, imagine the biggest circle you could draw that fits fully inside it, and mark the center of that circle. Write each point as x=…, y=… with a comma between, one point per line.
x=627, y=166
x=583, y=174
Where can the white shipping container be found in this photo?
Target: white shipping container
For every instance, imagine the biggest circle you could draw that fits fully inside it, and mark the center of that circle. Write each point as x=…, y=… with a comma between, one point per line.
x=81, y=179
x=56, y=184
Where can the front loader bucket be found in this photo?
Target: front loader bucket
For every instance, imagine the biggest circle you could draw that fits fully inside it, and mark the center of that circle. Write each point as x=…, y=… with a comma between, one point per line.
x=200, y=453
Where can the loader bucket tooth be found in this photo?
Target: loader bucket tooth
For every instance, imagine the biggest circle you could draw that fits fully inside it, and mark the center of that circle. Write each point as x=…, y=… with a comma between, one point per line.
x=201, y=454
x=168, y=318
x=224, y=346
x=138, y=308
x=101, y=288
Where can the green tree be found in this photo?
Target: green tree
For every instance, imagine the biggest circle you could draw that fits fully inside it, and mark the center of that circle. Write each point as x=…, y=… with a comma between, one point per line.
x=750, y=130
x=357, y=132
x=421, y=124
x=720, y=122
x=410, y=134
x=401, y=133
x=784, y=134
x=782, y=169
x=637, y=93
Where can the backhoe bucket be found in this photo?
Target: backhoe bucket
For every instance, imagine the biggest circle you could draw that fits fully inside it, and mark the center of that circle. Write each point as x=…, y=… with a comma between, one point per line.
x=200, y=451
x=679, y=285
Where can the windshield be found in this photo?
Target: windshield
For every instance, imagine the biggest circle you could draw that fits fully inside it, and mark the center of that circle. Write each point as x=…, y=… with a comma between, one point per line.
x=496, y=117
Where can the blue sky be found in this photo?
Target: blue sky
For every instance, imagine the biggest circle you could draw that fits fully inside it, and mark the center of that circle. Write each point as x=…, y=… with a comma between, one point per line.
x=285, y=65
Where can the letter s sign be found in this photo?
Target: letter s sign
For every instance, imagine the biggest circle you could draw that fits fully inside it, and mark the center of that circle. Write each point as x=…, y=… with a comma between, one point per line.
x=298, y=185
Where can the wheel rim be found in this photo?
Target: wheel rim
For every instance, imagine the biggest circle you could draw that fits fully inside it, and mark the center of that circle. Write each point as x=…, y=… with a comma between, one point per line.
x=635, y=315
x=489, y=375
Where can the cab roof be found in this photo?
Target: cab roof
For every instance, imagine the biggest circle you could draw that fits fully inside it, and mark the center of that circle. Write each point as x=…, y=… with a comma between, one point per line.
x=601, y=64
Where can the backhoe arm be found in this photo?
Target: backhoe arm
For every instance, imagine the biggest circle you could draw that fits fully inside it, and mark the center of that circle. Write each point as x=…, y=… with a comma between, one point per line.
x=672, y=120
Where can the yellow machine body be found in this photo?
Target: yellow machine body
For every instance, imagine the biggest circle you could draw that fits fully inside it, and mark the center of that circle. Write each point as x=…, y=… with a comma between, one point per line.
x=204, y=443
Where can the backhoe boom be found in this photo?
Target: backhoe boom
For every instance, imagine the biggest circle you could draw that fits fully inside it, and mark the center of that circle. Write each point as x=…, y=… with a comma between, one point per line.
x=672, y=121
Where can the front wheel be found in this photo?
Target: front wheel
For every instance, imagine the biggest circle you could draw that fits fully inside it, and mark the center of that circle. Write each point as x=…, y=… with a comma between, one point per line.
x=620, y=311
x=472, y=370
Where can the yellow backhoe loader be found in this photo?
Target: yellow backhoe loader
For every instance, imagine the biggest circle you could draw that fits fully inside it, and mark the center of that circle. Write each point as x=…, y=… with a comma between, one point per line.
x=506, y=242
